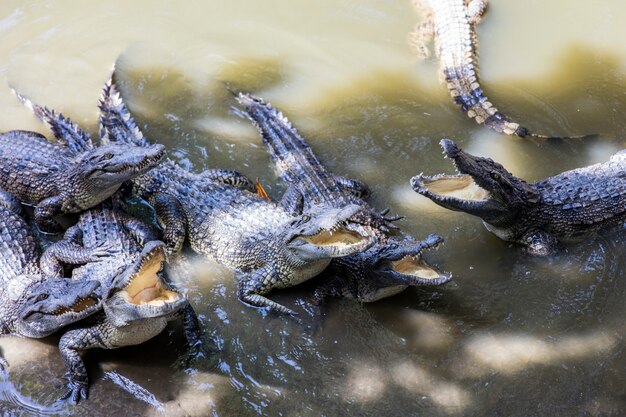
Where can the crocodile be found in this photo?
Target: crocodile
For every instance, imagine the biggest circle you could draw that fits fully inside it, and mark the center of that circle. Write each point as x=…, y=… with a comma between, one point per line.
x=137, y=301
x=220, y=215
x=386, y=268
x=536, y=215
x=68, y=176
x=452, y=23
x=31, y=305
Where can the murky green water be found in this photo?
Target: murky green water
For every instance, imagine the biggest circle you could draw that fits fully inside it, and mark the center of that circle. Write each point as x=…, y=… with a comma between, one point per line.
x=510, y=336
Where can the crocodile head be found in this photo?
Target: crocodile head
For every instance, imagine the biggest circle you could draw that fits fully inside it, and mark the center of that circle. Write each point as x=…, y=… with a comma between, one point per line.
x=482, y=187
x=54, y=303
x=109, y=165
x=400, y=261
x=325, y=232
x=139, y=292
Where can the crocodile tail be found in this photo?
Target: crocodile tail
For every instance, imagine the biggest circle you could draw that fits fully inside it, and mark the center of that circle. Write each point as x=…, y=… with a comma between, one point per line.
x=280, y=137
x=64, y=130
x=466, y=92
x=116, y=122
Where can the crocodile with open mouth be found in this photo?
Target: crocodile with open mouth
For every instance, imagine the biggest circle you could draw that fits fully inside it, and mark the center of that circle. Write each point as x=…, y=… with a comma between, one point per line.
x=536, y=215
x=452, y=23
x=68, y=176
x=137, y=301
x=386, y=269
x=220, y=217
x=391, y=264
x=31, y=305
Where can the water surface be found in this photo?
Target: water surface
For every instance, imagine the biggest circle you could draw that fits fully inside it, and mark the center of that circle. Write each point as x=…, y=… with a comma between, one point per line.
x=510, y=335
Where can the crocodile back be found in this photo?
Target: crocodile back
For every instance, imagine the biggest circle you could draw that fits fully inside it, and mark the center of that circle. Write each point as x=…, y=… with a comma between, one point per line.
x=225, y=222
x=19, y=252
x=28, y=161
x=103, y=227
x=587, y=197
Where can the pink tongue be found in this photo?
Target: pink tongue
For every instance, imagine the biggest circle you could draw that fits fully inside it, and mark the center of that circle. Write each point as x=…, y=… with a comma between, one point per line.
x=147, y=294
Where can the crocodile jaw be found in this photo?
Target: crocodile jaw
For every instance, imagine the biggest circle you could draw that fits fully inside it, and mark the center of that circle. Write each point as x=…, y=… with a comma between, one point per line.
x=145, y=286
x=338, y=241
x=412, y=268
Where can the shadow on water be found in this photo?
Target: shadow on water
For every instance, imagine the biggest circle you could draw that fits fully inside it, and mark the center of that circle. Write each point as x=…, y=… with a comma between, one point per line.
x=508, y=331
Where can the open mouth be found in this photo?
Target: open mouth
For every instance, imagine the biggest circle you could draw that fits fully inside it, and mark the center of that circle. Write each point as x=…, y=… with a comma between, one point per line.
x=336, y=237
x=81, y=305
x=416, y=267
x=412, y=265
x=145, y=286
x=460, y=186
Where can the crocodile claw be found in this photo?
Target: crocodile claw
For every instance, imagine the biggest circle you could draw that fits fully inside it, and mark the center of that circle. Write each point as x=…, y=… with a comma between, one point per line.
x=102, y=251
x=75, y=391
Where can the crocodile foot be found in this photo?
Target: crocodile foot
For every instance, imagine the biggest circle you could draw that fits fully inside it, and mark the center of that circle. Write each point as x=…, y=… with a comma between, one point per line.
x=76, y=389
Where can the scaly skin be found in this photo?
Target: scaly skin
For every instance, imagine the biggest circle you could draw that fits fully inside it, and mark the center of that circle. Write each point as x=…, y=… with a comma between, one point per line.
x=69, y=176
x=312, y=186
x=536, y=215
x=130, y=278
x=452, y=23
x=30, y=305
x=219, y=217
x=385, y=269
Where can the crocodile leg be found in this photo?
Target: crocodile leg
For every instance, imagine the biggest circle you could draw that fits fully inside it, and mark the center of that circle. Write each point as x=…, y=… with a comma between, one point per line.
x=69, y=345
x=141, y=232
x=44, y=213
x=74, y=234
x=333, y=287
x=475, y=10
x=356, y=187
x=293, y=201
x=421, y=36
x=540, y=243
x=172, y=219
x=253, y=285
x=229, y=177
x=68, y=252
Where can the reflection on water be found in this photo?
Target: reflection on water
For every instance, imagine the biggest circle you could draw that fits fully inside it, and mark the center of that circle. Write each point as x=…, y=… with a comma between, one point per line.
x=542, y=334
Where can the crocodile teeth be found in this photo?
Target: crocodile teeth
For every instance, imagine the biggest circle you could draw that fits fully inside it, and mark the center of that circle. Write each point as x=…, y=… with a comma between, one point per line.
x=80, y=305
x=145, y=286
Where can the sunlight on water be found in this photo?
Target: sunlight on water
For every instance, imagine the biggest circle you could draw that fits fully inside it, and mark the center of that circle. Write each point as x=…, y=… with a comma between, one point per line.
x=545, y=332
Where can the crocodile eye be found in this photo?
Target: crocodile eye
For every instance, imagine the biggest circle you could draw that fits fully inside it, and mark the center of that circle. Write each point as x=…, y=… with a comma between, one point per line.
x=495, y=176
x=107, y=156
x=305, y=218
x=394, y=246
x=42, y=297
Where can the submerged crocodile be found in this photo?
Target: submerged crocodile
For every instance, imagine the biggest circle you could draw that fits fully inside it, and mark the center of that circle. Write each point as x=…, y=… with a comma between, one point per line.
x=68, y=176
x=385, y=269
x=31, y=305
x=536, y=215
x=452, y=23
x=137, y=301
x=219, y=217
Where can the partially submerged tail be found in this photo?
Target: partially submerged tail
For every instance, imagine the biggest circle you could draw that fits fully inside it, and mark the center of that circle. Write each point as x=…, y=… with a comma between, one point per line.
x=116, y=122
x=63, y=129
x=294, y=159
